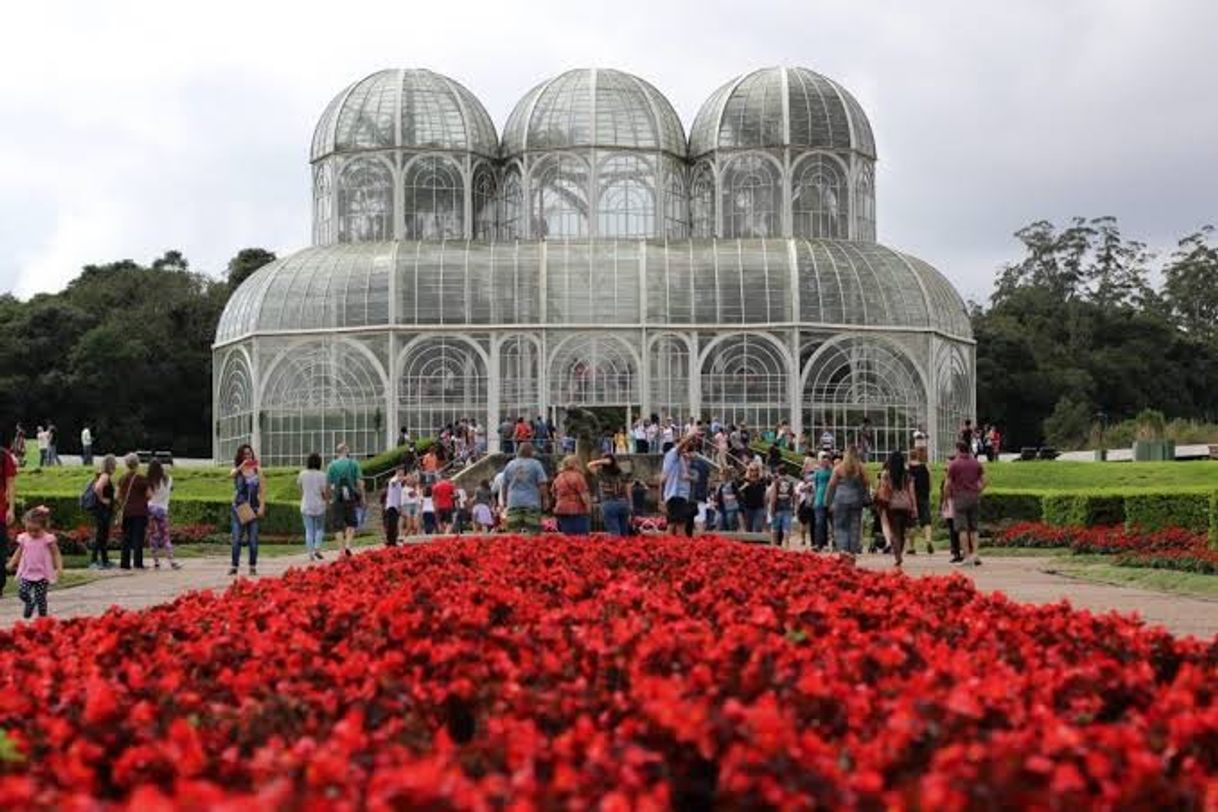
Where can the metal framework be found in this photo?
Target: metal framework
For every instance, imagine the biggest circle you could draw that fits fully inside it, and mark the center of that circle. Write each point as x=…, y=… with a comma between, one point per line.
x=593, y=256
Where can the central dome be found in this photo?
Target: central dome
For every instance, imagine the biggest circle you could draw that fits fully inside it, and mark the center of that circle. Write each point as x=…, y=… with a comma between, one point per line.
x=593, y=107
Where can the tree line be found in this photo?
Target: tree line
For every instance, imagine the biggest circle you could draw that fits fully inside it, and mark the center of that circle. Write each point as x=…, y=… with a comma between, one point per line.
x=1089, y=328
x=125, y=349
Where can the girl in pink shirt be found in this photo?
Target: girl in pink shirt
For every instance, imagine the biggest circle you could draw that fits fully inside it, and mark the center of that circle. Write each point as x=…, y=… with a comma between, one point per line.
x=37, y=561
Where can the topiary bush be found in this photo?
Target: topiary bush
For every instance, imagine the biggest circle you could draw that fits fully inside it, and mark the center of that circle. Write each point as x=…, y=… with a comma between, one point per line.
x=1155, y=511
x=1083, y=509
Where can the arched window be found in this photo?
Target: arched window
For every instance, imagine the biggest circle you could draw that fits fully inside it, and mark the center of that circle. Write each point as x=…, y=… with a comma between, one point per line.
x=744, y=381
x=318, y=395
x=676, y=202
x=702, y=201
x=865, y=203
x=323, y=204
x=434, y=200
x=858, y=377
x=559, y=204
x=955, y=400
x=519, y=377
x=752, y=198
x=593, y=370
x=443, y=380
x=668, y=375
x=511, y=205
x=626, y=204
x=365, y=201
x=820, y=199
x=485, y=203
x=234, y=406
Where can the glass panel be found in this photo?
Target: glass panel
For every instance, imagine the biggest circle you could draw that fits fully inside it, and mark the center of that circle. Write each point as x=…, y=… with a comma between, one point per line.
x=365, y=201
x=593, y=370
x=626, y=204
x=744, y=383
x=820, y=198
x=702, y=201
x=433, y=199
x=752, y=197
x=559, y=191
x=443, y=382
x=485, y=203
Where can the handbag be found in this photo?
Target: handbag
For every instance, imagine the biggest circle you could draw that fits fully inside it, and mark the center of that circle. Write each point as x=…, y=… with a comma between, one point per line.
x=245, y=513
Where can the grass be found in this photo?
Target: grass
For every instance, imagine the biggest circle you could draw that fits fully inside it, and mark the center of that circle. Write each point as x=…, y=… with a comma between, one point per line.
x=1101, y=571
x=200, y=483
x=1024, y=552
x=74, y=577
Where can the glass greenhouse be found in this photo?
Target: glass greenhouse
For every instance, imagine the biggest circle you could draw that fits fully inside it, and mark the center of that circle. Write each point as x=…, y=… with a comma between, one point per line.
x=591, y=257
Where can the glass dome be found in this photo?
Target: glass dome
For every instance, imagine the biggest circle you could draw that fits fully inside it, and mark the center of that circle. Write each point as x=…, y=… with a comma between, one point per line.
x=781, y=107
x=405, y=109
x=593, y=107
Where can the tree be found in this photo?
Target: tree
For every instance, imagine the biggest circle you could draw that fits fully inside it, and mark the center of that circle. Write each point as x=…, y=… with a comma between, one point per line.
x=243, y=265
x=1190, y=286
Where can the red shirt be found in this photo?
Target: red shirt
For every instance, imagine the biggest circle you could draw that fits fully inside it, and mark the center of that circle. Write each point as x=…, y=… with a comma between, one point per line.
x=964, y=475
x=442, y=495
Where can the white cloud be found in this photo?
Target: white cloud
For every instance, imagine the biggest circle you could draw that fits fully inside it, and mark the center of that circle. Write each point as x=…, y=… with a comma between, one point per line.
x=128, y=128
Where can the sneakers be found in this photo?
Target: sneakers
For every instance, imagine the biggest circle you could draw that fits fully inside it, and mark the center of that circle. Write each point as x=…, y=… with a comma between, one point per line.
x=318, y=556
x=253, y=571
x=955, y=559
x=348, y=553
x=95, y=566
x=912, y=550
x=175, y=565
x=976, y=561
x=930, y=548
x=156, y=565
x=232, y=570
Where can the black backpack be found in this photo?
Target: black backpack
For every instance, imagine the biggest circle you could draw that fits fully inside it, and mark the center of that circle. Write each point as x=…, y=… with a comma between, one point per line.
x=88, y=497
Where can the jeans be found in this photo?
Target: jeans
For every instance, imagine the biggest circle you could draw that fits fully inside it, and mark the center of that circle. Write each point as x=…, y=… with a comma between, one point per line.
x=135, y=528
x=616, y=514
x=315, y=531
x=847, y=528
x=576, y=524
x=86, y=455
x=248, y=533
x=754, y=520
x=820, y=526
x=101, y=535
x=392, y=519
x=782, y=522
x=729, y=520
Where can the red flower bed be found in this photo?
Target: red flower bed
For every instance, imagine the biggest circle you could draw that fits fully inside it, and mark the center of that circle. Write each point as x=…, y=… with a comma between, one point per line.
x=1033, y=534
x=556, y=673
x=1198, y=558
x=1099, y=540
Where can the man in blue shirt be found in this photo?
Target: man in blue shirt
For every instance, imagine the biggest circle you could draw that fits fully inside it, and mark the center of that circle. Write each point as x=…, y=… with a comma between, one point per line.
x=675, y=487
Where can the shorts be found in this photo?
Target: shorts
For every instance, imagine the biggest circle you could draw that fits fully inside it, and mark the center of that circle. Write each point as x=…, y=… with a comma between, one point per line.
x=344, y=516
x=410, y=509
x=679, y=509
x=781, y=522
x=967, y=510
x=444, y=515
x=925, y=517
x=523, y=520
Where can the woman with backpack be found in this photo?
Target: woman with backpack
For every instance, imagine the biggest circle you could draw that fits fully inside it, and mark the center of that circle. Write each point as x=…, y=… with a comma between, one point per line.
x=101, y=505
x=898, y=502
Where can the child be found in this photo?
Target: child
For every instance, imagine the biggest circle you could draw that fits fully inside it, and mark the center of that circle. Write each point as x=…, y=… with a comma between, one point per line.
x=37, y=561
x=160, y=486
x=429, y=512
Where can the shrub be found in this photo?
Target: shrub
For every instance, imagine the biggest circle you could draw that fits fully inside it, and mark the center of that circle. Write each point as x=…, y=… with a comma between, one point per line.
x=388, y=460
x=999, y=507
x=1084, y=509
x=1154, y=511
x=1214, y=520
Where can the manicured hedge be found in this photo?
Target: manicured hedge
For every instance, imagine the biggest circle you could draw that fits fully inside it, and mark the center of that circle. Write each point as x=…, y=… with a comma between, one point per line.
x=1154, y=511
x=1214, y=520
x=1085, y=509
x=386, y=461
x=998, y=507
x=282, y=518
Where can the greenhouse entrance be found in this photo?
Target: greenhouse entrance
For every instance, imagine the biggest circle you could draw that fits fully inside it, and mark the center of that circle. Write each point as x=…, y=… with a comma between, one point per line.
x=596, y=420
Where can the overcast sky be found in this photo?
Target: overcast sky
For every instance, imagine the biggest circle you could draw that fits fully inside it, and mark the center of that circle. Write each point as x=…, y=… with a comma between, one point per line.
x=128, y=128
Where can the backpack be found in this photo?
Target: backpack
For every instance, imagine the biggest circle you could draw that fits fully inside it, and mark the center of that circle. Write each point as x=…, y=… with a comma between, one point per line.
x=88, y=497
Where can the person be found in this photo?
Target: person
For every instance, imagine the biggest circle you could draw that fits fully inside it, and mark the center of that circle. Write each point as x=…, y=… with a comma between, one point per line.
x=36, y=562
x=727, y=501
x=820, y=505
x=52, y=445
x=699, y=489
x=461, y=519
x=8, y=477
x=430, y=464
x=506, y=429
x=248, y=507
x=827, y=441
x=966, y=435
x=675, y=488
x=620, y=444
x=781, y=507
x=86, y=446
x=403, y=437
x=525, y=499
x=919, y=440
x=541, y=434
x=993, y=444
x=482, y=514
x=412, y=500
x=613, y=490
x=847, y=494
x=314, y=496
x=572, y=499
x=949, y=518
x=160, y=487
x=774, y=459
x=522, y=433
x=428, y=511
x=639, y=434
x=805, y=513
x=18, y=450
x=346, y=481
x=443, y=497
x=752, y=499
x=103, y=513
x=898, y=502
x=866, y=439
x=133, y=496
x=919, y=472
x=965, y=483
x=44, y=445
x=391, y=514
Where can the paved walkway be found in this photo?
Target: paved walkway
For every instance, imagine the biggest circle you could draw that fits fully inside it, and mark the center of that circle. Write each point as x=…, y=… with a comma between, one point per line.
x=1023, y=579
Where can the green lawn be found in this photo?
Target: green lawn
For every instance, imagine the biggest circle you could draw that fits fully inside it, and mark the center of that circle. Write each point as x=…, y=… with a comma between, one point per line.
x=1099, y=569
x=1089, y=476
x=201, y=483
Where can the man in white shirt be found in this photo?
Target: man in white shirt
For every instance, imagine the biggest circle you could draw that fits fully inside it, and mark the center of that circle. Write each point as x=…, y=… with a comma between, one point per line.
x=44, y=445
x=86, y=446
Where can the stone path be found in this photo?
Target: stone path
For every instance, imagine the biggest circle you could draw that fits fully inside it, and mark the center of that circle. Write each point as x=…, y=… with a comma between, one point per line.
x=1022, y=579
